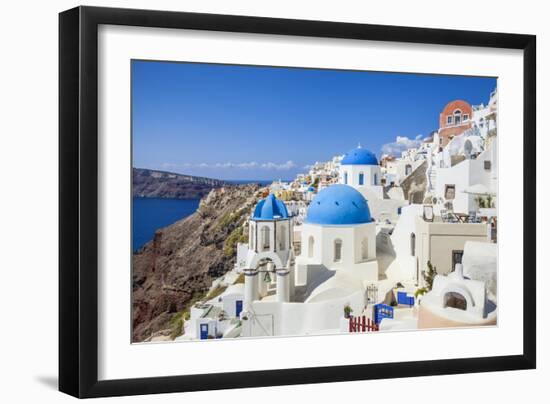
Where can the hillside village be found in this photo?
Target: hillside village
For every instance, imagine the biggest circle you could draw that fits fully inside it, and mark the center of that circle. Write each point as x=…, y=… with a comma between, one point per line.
x=361, y=244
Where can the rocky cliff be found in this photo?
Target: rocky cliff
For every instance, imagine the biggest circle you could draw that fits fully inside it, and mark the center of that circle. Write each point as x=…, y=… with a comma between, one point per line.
x=177, y=267
x=161, y=184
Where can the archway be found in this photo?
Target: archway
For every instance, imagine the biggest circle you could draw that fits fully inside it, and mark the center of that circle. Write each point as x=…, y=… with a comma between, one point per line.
x=365, y=248
x=457, y=296
x=457, y=117
x=311, y=245
x=281, y=235
x=265, y=238
x=337, y=250
x=455, y=300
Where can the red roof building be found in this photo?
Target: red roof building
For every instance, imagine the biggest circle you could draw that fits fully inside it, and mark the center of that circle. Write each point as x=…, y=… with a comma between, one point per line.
x=455, y=118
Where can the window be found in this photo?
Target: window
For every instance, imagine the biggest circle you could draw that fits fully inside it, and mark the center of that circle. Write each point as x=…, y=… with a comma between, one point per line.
x=456, y=258
x=487, y=164
x=337, y=250
x=365, y=249
x=449, y=120
x=265, y=238
x=375, y=178
x=413, y=244
x=457, y=116
x=361, y=178
x=408, y=169
x=311, y=245
x=465, y=117
x=449, y=192
x=282, y=237
x=345, y=177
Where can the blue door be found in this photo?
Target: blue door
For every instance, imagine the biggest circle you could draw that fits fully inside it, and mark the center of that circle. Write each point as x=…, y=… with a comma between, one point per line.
x=204, y=331
x=238, y=307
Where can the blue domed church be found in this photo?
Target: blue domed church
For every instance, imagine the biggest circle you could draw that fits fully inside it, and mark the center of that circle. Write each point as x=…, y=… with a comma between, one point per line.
x=338, y=234
x=337, y=259
x=359, y=168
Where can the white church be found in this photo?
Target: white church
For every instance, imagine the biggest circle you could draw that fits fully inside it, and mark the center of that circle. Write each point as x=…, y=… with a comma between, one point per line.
x=359, y=169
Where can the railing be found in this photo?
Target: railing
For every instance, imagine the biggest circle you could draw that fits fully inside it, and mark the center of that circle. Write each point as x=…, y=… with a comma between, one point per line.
x=382, y=311
x=362, y=324
x=452, y=217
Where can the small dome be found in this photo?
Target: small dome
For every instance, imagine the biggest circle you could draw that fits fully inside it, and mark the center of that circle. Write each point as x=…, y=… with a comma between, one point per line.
x=360, y=156
x=338, y=205
x=270, y=208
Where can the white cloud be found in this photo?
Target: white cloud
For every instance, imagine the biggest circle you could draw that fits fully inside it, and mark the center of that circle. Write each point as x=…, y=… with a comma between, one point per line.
x=401, y=144
x=248, y=165
x=274, y=166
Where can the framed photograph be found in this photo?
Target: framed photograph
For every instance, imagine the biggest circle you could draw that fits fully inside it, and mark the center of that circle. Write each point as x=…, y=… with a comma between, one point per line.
x=251, y=201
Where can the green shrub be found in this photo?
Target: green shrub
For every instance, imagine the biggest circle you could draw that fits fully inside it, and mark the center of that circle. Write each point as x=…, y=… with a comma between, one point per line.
x=176, y=325
x=240, y=279
x=428, y=276
x=230, y=245
x=229, y=219
x=420, y=292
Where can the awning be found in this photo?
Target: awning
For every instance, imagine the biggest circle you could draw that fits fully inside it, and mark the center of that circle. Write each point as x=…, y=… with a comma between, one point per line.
x=478, y=189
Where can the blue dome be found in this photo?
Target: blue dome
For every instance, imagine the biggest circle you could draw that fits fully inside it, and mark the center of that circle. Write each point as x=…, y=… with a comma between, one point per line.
x=360, y=156
x=270, y=208
x=338, y=205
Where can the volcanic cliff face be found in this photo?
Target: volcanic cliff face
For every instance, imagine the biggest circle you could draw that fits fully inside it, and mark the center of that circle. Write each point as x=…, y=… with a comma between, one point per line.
x=161, y=184
x=180, y=263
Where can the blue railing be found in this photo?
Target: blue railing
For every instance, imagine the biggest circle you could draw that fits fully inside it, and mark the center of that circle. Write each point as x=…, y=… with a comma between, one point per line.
x=382, y=311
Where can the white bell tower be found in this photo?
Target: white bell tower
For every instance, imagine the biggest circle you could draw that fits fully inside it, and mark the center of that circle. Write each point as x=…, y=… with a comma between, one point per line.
x=270, y=258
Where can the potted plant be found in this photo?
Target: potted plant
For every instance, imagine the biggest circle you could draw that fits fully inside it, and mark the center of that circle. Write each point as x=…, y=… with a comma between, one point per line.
x=347, y=311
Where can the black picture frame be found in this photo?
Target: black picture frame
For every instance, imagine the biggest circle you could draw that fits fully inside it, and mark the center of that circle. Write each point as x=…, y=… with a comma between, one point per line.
x=78, y=200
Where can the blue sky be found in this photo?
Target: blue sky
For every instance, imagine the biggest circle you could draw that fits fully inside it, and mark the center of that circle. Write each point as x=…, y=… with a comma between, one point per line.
x=243, y=122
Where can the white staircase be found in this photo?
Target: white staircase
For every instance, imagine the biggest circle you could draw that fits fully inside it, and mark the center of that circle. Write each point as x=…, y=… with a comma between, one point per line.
x=431, y=174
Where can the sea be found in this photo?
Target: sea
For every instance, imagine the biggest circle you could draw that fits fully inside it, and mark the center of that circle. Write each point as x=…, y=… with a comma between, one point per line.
x=151, y=214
